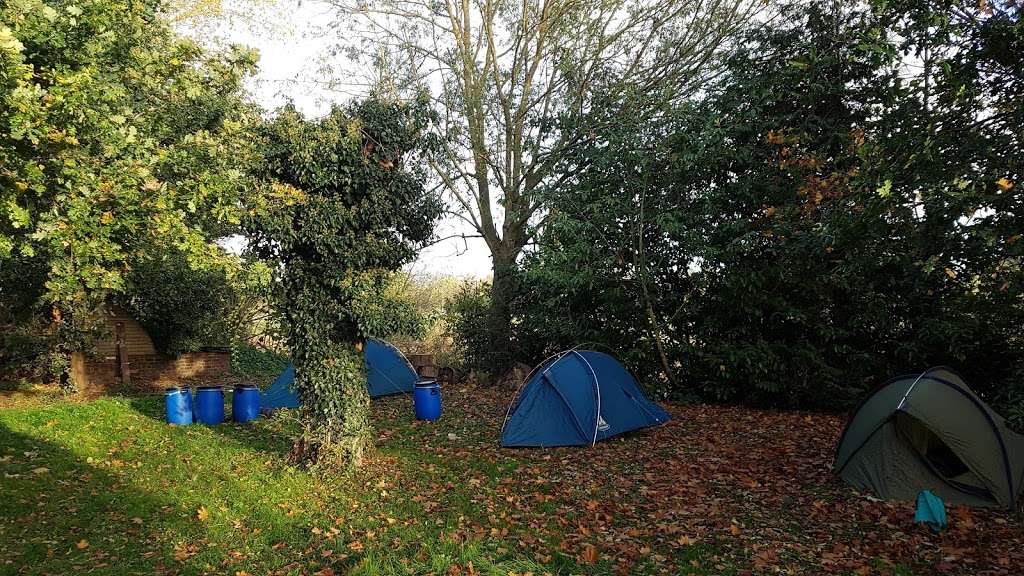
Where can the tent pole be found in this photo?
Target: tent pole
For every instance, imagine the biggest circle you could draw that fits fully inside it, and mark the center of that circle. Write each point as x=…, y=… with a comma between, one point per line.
x=597, y=389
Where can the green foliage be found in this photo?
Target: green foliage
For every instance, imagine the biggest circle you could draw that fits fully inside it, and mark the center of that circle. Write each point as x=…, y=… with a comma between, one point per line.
x=383, y=308
x=468, y=314
x=29, y=351
x=347, y=206
x=119, y=140
x=26, y=337
x=248, y=360
x=822, y=217
x=181, y=308
x=184, y=307
x=428, y=294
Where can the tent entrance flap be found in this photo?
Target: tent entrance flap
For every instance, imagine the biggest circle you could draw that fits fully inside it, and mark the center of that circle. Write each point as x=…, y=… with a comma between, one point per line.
x=938, y=457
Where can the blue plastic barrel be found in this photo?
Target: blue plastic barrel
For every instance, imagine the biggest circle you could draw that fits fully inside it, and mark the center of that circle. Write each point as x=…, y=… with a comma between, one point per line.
x=210, y=404
x=426, y=400
x=178, y=401
x=245, y=403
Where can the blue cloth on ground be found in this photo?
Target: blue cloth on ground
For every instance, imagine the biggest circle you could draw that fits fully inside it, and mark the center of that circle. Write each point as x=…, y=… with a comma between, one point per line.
x=931, y=511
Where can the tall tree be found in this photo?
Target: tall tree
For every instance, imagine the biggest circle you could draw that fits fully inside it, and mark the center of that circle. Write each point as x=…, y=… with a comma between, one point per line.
x=119, y=139
x=348, y=207
x=510, y=76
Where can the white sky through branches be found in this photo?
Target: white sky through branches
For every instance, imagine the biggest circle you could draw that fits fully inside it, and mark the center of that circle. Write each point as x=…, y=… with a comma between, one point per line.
x=293, y=49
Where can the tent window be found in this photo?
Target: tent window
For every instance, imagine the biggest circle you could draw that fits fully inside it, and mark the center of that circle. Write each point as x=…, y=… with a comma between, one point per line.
x=942, y=458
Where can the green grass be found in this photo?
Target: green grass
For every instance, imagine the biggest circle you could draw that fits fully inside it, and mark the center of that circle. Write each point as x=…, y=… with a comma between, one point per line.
x=106, y=487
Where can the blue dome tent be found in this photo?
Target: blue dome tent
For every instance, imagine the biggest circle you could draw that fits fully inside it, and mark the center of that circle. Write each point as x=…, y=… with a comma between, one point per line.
x=577, y=398
x=387, y=372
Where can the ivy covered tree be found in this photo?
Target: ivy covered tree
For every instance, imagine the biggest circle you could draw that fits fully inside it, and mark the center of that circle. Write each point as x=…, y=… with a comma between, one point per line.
x=119, y=140
x=348, y=206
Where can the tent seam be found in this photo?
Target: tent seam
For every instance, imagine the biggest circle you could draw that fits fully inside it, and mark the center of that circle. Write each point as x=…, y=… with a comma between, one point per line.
x=597, y=389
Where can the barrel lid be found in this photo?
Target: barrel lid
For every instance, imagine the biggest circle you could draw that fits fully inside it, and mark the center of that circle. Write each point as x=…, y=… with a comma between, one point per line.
x=175, y=389
x=209, y=388
x=427, y=382
x=246, y=387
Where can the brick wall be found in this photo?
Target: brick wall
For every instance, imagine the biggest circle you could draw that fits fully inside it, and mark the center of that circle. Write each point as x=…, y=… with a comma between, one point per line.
x=99, y=375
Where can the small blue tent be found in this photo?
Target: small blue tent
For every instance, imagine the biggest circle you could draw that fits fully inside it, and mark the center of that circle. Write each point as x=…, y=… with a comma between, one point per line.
x=387, y=372
x=577, y=398
x=280, y=393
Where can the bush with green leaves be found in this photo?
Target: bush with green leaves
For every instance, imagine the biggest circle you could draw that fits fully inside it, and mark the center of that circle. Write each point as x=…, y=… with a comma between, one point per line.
x=251, y=361
x=120, y=140
x=346, y=206
x=427, y=294
x=467, y=313
x=181, y=308
x=820, y=218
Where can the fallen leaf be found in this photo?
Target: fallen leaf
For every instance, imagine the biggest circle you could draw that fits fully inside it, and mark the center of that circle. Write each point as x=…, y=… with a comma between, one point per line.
x=202, y=513
x=82, y=544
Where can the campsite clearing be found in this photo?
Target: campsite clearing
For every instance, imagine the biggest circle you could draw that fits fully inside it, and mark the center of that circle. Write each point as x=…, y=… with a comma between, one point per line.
x=106, y=487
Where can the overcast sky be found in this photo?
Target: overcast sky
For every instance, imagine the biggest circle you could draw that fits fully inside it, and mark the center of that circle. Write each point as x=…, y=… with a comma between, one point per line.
x=290, y=56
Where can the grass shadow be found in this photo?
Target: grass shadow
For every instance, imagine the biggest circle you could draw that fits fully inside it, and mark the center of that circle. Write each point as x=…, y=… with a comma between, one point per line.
x=70, y=515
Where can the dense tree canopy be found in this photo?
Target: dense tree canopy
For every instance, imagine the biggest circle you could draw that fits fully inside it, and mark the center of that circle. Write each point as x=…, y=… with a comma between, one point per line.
x=119, y=141
x=842, y=205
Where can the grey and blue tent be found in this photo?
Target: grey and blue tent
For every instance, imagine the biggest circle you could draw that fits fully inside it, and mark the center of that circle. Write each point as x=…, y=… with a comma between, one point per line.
x=931, y=432
x=387, y=372
x=577, y=398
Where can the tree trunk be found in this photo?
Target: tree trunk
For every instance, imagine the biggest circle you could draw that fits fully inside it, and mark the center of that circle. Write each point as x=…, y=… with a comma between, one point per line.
x=502, y=292
x=330, y=378
x=659, y=346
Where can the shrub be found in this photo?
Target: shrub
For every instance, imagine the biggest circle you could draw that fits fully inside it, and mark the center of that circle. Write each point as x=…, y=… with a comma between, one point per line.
x=248, y=360
x=468, y=317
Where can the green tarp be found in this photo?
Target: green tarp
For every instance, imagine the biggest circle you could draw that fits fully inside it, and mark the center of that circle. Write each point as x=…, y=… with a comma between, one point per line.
x=931, y=432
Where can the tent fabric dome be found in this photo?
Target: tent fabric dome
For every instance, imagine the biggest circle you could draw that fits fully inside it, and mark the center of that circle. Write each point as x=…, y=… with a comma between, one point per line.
x=387, y=372
x=931, y=432
x=578, y=398
x=280, y=394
